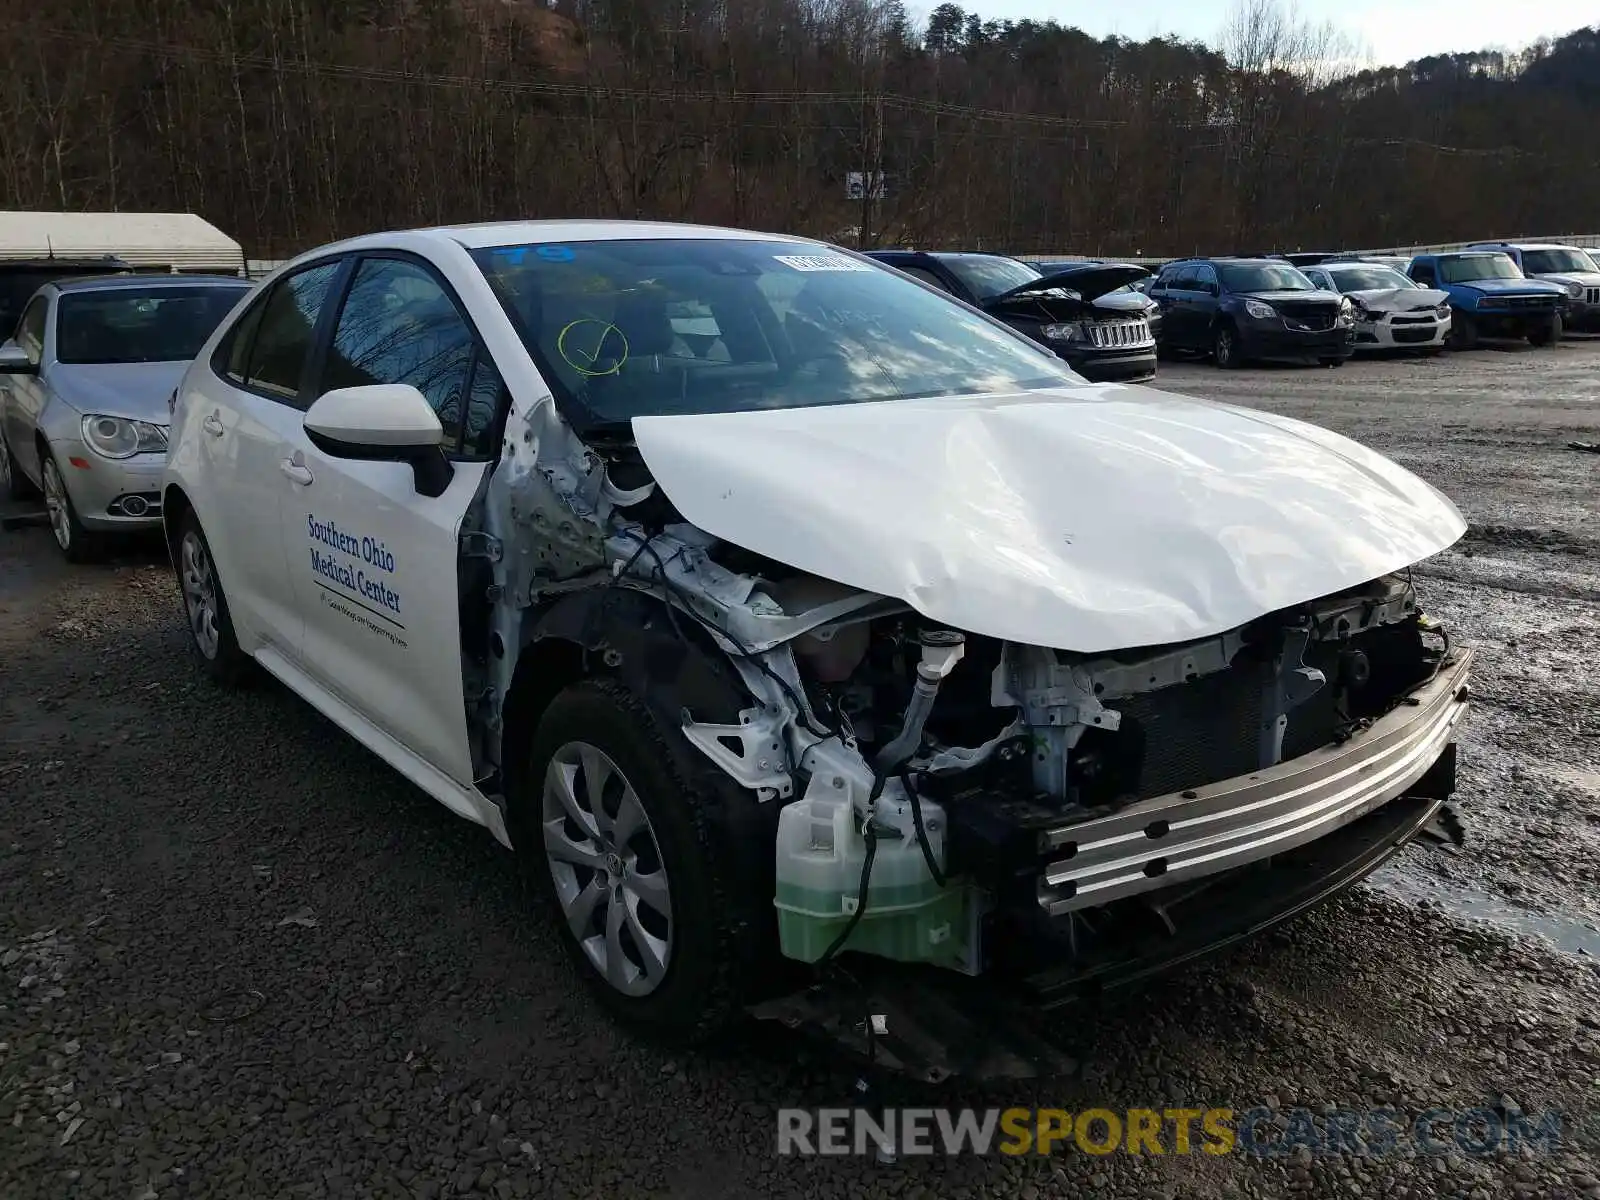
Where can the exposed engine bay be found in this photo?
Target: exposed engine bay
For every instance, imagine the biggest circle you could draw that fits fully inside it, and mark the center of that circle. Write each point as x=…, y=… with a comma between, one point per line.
x=945, y=797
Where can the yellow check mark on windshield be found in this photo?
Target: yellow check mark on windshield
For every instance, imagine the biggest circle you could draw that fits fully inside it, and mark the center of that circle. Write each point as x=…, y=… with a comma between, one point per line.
x=581, y=360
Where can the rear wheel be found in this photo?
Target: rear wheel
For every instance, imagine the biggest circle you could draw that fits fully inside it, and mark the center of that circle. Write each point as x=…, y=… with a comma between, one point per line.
x=14, y=485
x=1225, y=348
x=206, y=607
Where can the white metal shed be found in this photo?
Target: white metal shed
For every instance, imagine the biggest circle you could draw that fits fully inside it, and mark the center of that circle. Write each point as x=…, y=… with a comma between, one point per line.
x=163, y=241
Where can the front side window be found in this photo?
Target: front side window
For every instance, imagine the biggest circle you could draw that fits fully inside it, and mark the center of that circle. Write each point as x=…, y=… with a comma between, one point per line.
x=609, y=323
x=167, y=324
x=1478, y=266
x=399, y=325
x=30, y=330
x=272, y=347
x=1557, y=262
x=1265, y=277
x=989, y=275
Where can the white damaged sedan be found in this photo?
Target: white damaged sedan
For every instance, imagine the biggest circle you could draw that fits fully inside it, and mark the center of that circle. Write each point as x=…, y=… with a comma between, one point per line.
x=1392, y=311
x=819, y=645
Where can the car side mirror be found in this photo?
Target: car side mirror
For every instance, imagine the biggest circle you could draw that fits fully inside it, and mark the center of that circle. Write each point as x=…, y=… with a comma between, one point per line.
x=383, y=422
x=14, y=360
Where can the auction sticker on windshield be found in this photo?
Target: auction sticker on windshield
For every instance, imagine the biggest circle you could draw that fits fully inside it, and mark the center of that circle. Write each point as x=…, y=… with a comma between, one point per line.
x=821, y=262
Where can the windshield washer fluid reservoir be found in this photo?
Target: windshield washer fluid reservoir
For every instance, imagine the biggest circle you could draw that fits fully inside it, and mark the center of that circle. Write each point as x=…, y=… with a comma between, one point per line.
x=908, y=918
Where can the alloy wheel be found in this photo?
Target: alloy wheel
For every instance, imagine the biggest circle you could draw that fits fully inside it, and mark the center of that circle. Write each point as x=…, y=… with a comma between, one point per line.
x=605, y=860
x=199, y=581
x=57, y=504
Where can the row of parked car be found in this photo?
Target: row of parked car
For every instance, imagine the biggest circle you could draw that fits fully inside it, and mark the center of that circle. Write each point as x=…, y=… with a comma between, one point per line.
x=97, y=349
x=1113, y=320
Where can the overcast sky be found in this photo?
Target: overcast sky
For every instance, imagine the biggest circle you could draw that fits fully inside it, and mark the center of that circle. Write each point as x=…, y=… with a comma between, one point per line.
x=1394, y=31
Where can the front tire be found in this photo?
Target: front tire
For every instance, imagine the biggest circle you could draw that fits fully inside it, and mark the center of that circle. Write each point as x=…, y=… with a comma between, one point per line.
x=613, y=829
x=1225, y=348
x=1463, y=332
x=73, y=540
x=1546, y=334
x=1331, y=362
x=206, y=607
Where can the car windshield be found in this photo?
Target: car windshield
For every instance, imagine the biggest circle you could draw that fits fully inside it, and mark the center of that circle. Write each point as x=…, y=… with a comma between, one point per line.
x=126, y=325
x=1368, y=279
x=989, y=275
x=1555, y=262
x=1477, y=266
x=1263, y=277
x=638, y=328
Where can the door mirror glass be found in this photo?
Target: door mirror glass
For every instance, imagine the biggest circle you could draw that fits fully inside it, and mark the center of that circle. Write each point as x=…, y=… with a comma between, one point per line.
x=382, y=422
x=14, y=360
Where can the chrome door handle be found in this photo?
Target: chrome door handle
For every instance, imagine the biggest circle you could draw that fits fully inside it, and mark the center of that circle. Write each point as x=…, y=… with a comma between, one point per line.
x=213, y=425
x=297, y=472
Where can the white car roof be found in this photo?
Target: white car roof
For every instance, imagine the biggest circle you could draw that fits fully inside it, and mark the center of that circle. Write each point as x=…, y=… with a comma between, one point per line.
x=514, y=233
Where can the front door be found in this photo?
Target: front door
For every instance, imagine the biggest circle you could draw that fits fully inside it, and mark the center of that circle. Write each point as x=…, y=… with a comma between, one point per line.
x=22, y=396
x=373, y=563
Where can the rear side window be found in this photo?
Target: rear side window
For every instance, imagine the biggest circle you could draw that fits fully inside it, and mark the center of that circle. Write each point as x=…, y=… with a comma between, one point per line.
x=266, y=351
x=399, y=325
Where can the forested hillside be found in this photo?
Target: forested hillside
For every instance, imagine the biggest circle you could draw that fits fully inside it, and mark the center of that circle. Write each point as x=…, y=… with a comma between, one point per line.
x=289, y=122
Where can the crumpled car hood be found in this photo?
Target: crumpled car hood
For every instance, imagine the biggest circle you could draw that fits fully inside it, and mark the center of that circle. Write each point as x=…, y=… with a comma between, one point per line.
x=1399, y=299
x=1084, y=518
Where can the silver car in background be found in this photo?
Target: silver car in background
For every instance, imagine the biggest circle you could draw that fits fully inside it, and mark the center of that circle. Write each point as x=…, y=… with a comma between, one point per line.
x=85, y=382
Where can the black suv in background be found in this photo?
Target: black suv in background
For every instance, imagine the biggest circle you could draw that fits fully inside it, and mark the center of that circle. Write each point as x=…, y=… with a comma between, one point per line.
x=1071, y=312
x=1237, y=309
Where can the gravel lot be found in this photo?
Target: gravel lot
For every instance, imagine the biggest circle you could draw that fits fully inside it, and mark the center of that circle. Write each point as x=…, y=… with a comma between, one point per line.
x=239, y=957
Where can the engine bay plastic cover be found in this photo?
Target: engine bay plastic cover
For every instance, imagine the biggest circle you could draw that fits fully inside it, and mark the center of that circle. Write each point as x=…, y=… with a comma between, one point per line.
x=1087, y=518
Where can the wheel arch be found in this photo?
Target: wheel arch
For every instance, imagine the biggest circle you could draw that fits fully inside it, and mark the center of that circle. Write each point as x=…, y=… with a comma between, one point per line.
x=175, y=505
x=661, y=655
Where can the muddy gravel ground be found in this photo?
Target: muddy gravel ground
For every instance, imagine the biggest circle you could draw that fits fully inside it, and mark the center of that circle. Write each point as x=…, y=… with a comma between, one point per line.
x=239, y=957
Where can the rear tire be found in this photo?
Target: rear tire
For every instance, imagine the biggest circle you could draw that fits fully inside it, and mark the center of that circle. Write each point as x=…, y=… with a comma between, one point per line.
x=205, y=607
x=1225, y=349
x=14, y=485
x=673, y=975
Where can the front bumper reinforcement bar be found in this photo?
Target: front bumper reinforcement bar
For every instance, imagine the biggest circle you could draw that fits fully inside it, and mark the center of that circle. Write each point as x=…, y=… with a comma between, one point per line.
x=1164, y=840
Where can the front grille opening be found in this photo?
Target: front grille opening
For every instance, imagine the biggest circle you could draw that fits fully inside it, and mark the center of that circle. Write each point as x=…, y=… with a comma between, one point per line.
x=1207, y=729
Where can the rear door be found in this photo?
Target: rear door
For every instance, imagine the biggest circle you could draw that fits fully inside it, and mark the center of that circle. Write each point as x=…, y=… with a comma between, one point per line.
x=249, y=408
x=373, y=563
x=1177, y=300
